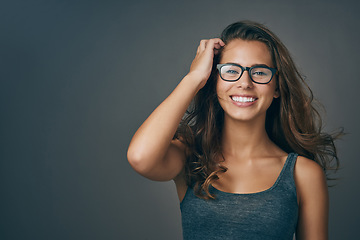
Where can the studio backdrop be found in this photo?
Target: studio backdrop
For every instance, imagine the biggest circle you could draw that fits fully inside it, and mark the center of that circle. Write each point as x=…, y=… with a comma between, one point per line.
x=77, y=78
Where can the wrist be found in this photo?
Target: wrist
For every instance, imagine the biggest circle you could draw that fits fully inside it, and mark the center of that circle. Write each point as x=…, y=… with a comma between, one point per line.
x=196, y=79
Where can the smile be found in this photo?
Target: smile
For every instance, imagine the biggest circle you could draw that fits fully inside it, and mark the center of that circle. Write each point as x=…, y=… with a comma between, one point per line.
x=243, y=99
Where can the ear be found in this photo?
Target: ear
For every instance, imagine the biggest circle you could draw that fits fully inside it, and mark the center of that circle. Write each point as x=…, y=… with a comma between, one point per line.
x=276, y=93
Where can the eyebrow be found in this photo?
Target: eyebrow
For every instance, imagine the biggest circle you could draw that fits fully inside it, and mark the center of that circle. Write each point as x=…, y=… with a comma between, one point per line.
x=254, y=65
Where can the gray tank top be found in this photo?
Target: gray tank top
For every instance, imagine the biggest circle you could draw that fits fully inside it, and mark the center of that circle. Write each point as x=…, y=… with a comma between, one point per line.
x=269, y=214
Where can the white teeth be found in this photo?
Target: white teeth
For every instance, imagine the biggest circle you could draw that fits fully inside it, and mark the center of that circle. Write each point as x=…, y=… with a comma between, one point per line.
x=242, y=99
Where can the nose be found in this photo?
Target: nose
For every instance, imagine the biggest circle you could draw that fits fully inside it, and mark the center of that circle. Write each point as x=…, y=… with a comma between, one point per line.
x=245, y=81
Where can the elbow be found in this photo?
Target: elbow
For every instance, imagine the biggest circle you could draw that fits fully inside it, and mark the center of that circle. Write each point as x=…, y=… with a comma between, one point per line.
x=138, y=161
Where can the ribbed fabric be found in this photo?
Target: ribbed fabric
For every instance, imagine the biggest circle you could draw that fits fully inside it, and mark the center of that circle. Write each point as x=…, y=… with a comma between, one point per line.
x=270, y=214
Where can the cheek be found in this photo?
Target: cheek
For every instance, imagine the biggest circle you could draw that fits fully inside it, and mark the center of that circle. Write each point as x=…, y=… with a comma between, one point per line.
x=270, y=89
x=221, y=87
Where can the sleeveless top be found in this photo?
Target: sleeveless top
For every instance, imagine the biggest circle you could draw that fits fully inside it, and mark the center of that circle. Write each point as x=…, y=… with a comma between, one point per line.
x=269, y=214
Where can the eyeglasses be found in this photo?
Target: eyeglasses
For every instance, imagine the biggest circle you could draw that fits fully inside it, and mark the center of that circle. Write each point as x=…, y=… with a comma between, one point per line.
x=232, y=72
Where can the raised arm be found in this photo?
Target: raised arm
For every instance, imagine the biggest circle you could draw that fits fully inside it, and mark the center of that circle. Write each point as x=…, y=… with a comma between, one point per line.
x=152, y=152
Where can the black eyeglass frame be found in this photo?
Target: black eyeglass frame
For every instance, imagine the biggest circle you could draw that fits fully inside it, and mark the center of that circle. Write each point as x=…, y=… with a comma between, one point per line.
x=243, y=69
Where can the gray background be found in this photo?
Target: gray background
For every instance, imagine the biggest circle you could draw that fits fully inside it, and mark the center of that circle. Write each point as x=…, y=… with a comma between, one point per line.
x=79, y=77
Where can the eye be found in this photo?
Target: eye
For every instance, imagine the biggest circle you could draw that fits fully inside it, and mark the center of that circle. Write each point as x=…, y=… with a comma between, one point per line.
x=260, y=72
x=231, y=71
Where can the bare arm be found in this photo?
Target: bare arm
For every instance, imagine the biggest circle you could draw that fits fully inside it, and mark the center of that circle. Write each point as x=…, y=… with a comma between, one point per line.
x=313, y=200
x=152, y=152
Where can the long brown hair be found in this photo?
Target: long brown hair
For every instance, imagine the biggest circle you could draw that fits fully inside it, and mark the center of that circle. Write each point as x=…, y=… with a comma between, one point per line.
x=292, y=121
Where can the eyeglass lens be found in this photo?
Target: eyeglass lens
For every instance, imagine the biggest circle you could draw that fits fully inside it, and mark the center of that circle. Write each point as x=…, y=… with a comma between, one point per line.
x=257, y=74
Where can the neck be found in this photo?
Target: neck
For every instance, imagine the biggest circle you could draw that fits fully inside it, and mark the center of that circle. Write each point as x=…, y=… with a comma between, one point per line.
x=244, y=139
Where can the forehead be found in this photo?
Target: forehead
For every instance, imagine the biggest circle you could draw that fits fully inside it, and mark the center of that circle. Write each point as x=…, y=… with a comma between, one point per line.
x=246, y=53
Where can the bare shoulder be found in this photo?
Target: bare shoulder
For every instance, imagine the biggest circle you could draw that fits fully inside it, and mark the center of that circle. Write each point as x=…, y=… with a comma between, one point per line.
x=313, y=200
x=307, y=170
x=309, y=178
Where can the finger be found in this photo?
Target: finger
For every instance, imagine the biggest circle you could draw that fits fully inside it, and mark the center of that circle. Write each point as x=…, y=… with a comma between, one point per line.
x=202, y=45
x=217, y=46
x=221, y=42
x=218, y=41
x=214, y=44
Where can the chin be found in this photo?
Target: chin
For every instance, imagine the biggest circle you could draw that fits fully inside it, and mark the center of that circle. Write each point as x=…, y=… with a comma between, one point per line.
x=244, y=116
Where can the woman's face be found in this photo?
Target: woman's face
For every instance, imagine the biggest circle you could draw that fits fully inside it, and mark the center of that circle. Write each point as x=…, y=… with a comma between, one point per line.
x=245, y=100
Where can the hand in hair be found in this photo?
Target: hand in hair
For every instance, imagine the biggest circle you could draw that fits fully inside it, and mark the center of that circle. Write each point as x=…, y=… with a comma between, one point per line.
x=153, y=152
x=202, y=64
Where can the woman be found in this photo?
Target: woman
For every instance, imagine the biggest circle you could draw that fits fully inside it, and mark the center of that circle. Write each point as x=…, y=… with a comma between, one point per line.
x=248, y=158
